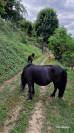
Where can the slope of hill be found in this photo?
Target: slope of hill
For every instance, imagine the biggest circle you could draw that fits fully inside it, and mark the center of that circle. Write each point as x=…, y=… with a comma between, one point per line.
x=13, y=52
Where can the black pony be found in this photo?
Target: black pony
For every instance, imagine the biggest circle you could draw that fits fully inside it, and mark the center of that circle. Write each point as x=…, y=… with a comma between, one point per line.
x=43, y=75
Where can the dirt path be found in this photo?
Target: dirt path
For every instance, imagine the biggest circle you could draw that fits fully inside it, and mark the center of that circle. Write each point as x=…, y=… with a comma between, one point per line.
x=8, y=82
x=35, y=124
x=10, y=122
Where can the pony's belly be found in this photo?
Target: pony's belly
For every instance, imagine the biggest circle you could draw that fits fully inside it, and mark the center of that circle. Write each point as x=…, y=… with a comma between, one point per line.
x=43, y=83
x=42, y=78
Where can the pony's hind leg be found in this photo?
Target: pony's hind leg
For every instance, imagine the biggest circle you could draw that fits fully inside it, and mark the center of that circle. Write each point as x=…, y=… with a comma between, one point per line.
x=61, y=92
x=55, y=89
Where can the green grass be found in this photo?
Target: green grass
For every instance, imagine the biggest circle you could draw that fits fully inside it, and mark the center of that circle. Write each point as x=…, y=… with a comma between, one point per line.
x=9, y=99
x=13, y=53
x=60, y=113
x=13, y=57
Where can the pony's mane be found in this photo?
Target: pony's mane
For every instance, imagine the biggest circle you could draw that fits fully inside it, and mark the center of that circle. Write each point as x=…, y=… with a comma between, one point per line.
x=28, y=65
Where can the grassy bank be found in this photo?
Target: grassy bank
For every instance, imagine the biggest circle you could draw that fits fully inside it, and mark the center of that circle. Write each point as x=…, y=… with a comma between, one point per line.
x=13, y=53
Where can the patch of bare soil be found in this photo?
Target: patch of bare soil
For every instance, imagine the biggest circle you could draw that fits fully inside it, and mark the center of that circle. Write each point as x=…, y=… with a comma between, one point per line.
x=8, y=82
x=35, y=124
x=10, y=122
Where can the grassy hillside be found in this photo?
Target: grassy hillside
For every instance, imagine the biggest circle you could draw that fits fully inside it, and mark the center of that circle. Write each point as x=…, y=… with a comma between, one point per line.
x=13, y=53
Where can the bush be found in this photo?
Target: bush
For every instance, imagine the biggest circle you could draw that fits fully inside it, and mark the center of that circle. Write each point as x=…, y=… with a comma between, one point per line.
x=68, y=59
x=61, y=42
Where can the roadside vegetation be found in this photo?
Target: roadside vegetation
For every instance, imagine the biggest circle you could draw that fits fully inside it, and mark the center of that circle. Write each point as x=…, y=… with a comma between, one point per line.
x=62, y=45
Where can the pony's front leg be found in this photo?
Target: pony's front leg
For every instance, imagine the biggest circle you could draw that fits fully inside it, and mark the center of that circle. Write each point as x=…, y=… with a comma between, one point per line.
x=30, y=91
x=33, y=91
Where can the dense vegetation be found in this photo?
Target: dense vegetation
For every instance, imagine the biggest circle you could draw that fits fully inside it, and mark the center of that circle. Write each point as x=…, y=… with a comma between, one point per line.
x=12, y=10
x=62, y=45
x=13, y=53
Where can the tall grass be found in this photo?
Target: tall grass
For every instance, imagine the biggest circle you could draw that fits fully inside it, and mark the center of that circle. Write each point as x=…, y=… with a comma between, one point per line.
x=13, y=53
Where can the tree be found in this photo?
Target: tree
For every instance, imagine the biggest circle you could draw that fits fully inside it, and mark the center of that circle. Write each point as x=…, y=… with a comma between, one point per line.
x=26, y=26
x=2, y=4
x=13, y=10
x=19, y=11
x=60, y=42
x=46, y=23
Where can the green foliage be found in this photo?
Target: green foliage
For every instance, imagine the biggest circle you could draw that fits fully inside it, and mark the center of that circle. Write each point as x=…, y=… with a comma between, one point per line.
x=46, y=23
x=36, y=41
x=2, y=10
x=60, y=42
x=12, y=10
x=68, y=59
x=26, y=26
x=13, y=56
x=13, y=53
x=9, y=31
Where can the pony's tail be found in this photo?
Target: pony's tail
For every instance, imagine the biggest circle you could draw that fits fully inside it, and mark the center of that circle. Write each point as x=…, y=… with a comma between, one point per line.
x=63, y=83
x=64, y=78
x=23, y=81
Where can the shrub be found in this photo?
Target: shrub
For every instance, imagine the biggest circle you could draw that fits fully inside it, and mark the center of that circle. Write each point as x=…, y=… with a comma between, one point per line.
x=68, y=59
x=60, y=42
